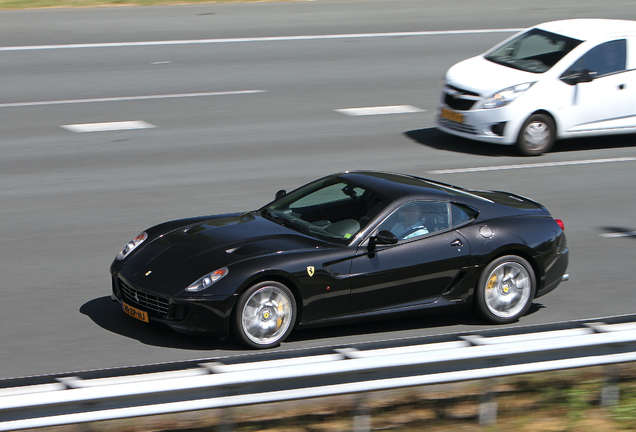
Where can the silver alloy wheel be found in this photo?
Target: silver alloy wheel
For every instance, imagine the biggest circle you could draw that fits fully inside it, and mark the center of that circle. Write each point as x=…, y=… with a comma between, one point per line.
x=508, y=289
x=267, y=315
x=537, y=135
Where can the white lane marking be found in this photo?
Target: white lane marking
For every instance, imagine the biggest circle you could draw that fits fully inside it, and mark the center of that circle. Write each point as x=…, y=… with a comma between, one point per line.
x=255, y=39
x=535, y=165
x=619, y=234
x=111, y=126
x=378, y=110
x=129, y=98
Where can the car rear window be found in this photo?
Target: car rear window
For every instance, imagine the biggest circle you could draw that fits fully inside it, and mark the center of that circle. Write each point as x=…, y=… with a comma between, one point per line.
x=510, y=200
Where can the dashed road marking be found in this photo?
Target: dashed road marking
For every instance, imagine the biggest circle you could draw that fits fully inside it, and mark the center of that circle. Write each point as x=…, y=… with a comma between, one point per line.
x=110, y=126
x=619, y=234
x=378, y=110
x=534, y=165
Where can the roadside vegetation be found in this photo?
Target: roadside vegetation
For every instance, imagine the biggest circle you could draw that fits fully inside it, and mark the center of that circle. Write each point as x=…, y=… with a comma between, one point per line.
x=32, y=4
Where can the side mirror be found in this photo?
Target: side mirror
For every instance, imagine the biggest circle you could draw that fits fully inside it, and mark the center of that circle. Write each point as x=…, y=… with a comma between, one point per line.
x=383, y=237
x=281, y=193
x=583, y=76
x=586, y=76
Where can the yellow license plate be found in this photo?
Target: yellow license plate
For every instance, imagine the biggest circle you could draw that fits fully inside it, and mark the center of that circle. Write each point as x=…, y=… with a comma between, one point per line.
x=135, y=313
x=452, y=115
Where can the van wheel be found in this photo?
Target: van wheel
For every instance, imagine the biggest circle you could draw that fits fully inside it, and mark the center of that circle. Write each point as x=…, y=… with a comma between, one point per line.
x=537, y=135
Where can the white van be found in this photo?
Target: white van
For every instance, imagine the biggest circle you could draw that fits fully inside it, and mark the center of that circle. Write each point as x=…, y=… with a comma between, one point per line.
x=561, y=79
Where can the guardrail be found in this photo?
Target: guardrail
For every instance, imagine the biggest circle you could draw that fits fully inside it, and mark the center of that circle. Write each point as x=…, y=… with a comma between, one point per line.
x=71, y=400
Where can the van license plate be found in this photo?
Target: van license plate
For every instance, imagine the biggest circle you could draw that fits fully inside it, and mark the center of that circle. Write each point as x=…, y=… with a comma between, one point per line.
x=452, y=115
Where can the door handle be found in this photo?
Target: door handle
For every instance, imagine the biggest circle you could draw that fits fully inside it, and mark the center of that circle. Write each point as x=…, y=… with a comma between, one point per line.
x=457, y=243
x=621, y=86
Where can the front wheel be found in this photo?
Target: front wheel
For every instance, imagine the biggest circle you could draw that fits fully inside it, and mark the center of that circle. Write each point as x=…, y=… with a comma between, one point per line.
x=537, y=135
x=265, y=314
x=506, y=289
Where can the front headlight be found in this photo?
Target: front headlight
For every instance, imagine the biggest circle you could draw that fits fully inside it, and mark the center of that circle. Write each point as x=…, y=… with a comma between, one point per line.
x=207, y=280
x=131, y=246
x=505, y=96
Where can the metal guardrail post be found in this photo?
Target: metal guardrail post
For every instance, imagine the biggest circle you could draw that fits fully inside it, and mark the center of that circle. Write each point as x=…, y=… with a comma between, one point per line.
x=362, y=415
x=610, y=394
x=227, y=423
x=488, y=406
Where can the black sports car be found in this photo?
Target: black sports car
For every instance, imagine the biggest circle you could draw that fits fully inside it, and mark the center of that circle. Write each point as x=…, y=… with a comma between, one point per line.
x=355, y=245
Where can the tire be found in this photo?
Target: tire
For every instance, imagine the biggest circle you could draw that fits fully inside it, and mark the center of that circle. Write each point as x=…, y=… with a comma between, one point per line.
x=506, y=289
x=537, y=135
x=264, y=315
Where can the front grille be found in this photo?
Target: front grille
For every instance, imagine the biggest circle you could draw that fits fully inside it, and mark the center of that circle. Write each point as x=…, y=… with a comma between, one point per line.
x=457, y=126
x=145, y=301
x=459, y=99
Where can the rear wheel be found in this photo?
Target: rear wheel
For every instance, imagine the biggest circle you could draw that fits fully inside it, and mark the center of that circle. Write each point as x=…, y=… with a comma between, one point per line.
x=506, y=289
x=537, y=135
x=264, y=315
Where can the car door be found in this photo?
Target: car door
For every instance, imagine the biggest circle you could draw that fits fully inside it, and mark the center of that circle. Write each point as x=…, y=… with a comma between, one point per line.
x=602, y=91
x=414, y=271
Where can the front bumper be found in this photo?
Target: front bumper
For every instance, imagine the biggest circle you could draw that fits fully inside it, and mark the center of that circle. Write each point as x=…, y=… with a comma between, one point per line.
x=496, y=125
x=206, y=314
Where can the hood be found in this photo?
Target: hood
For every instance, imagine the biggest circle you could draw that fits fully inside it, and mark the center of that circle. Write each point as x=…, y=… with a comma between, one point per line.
x=175, y=260
x=485, y=77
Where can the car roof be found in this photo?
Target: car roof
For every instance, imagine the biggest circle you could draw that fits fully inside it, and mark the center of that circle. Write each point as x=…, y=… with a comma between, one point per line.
x=396, y=186
x=589, y=28
x=403, y=187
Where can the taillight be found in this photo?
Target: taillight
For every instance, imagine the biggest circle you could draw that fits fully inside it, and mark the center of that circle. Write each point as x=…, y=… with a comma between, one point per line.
x=560, y=223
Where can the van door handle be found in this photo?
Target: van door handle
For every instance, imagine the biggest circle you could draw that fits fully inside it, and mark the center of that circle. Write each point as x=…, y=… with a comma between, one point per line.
x=457, y=243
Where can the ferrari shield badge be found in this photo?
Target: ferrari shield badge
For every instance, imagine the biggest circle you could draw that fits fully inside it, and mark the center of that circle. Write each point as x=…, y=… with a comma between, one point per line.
x=310, y=270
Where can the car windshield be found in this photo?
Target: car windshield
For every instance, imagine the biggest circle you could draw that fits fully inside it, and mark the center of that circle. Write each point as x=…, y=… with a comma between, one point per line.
x=533, y=51
x=332, y=209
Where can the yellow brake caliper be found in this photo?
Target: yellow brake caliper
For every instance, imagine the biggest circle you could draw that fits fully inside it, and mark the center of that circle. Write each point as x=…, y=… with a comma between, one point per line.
x=279, y=321
x=491, y=282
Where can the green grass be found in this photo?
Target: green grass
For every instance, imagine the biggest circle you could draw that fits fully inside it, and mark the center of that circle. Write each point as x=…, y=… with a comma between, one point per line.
x=31, y=4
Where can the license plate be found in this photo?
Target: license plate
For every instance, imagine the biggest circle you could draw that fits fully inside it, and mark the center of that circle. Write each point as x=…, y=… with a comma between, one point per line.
x=452, y=115
x=135, y=313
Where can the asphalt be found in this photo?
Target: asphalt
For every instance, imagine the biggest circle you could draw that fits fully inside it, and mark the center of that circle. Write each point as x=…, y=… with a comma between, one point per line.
x=70, y=201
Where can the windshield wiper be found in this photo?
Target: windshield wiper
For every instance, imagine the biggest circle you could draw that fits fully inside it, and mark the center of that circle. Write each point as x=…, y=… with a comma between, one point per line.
x=287, y=222
x=298, y=227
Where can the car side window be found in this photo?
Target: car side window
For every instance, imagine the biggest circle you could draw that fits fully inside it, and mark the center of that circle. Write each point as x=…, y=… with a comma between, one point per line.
x=416, y=219
x=604, y=59
x=461, y=214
